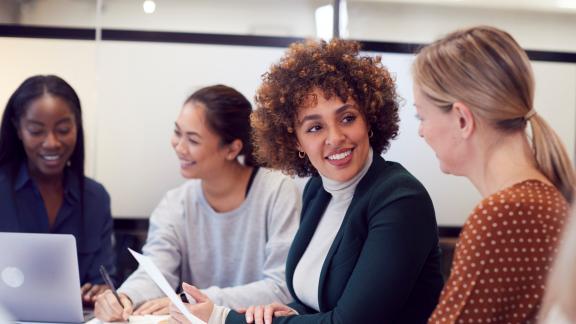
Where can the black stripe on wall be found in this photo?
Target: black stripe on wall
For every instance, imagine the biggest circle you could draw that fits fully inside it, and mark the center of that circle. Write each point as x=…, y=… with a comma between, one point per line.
x=7, y=30
x=226, y=39
x=196, y=38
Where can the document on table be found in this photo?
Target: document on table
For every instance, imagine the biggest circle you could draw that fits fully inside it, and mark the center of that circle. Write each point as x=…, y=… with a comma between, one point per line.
x=137, y=319
x=163, y=284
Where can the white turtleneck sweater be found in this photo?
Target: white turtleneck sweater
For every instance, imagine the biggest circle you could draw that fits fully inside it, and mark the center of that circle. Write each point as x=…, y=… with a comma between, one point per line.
x=307, y=273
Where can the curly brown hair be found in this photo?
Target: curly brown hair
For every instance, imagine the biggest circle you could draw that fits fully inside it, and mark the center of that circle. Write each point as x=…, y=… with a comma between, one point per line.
x=335, y=68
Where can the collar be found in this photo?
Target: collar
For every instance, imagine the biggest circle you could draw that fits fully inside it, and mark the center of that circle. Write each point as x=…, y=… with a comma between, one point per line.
x=71, y=183
x=336, y=188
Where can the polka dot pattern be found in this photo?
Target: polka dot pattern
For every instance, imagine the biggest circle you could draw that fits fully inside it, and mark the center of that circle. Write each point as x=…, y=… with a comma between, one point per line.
x=502, y=257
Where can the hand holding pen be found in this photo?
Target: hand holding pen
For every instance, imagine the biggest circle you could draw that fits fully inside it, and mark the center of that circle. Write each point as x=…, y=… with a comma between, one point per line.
x=111, y=306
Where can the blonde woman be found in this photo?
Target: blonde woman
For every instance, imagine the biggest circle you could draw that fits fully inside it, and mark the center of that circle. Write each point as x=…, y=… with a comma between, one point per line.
x=559, y=305
x=474, y=94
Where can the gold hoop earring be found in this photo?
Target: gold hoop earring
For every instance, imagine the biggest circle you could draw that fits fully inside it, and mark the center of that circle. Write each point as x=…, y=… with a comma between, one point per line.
x=371, y=134
x=301, y=154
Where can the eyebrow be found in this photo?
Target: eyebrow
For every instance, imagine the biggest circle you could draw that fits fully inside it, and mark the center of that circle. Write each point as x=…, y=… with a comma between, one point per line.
x=316, y=116
x=188, y=133
x=37, y=122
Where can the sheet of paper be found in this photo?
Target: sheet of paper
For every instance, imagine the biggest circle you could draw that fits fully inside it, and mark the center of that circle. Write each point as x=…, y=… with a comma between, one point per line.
x=163, y=284
x=137, y=319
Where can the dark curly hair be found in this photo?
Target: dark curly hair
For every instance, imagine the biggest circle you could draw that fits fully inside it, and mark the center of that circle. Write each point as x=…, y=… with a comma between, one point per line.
x=337, y=69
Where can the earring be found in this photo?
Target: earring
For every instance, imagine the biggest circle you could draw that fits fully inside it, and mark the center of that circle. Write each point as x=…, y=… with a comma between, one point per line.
x=301, y=154
x=371, y=134
x=69, y=163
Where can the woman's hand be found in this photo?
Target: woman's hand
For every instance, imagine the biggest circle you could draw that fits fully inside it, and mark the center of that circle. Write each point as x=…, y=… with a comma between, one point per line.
x=159, y=306
x=90, y=292
x=262, y=314
x=202, y=309
x=107, y=308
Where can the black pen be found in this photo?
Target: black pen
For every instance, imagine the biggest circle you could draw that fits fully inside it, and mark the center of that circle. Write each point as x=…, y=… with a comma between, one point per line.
x=108, y=282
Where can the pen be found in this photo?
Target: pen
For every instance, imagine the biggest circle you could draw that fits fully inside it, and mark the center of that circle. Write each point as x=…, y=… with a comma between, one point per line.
x=108, y=282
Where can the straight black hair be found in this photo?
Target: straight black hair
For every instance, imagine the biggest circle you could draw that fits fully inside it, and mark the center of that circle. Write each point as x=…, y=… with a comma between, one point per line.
x=228, y=115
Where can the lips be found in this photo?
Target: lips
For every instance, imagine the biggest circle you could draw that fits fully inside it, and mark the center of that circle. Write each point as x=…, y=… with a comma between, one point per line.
x=340, y=157
x=52, y=159
x=186, y=164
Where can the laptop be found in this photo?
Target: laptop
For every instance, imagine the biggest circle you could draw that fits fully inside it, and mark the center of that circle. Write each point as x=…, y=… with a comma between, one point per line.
x=39, y=280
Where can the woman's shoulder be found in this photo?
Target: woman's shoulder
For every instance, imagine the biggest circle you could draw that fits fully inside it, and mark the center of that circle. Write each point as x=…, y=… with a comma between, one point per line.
x=390, y=176
x=271, y=181
x=93, y=188
x=271, y=176
x=530, y=206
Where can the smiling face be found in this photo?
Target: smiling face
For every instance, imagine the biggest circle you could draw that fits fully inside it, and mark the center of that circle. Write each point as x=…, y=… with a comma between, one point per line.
x=334, y=136
x=48, y=132
x=198, y=148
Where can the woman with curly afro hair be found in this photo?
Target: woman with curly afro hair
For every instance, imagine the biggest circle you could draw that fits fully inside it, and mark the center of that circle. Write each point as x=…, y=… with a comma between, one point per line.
x=367, y=247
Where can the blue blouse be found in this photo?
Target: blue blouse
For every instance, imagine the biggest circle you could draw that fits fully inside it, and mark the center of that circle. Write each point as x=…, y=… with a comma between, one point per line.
x=22, y=210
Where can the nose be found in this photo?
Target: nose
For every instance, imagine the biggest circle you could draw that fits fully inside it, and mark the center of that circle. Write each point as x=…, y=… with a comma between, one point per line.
x=51, y=141
x=178, y=144
x=335, y=136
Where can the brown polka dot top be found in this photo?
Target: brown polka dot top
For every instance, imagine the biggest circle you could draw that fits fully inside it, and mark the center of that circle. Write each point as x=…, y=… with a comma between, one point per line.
x=502, y=257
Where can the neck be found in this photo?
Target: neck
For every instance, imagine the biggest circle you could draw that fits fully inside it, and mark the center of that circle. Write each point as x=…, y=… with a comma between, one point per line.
x=502, y=161
x=46, y=181
x=227, y=181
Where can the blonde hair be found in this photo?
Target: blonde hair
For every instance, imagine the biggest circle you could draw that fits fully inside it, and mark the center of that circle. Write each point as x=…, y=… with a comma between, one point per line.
x=561, y=287
x=485, y=68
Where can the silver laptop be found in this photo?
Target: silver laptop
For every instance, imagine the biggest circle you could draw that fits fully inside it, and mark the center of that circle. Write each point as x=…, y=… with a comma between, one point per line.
x=39, y=279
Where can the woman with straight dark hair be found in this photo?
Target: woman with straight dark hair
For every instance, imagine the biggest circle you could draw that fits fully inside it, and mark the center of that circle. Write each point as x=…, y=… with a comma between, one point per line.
x=43, y=188
x=229, y=228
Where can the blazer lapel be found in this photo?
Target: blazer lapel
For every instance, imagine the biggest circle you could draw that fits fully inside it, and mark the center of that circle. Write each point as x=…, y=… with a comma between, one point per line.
x=312, y=215
x=365, y=183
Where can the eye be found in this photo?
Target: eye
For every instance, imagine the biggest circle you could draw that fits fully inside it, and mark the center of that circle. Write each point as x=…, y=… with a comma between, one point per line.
x=191, y=141
x=35, y=131
x=177, y=132
x=64, y=130
x=348, y=119
x=314, y=129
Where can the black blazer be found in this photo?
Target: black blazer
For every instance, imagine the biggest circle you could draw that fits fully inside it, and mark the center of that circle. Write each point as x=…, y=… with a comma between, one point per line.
x=384, y=264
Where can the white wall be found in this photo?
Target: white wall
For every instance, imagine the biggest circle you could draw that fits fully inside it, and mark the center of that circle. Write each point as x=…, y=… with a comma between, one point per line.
x=269, y=17
x=425, y=23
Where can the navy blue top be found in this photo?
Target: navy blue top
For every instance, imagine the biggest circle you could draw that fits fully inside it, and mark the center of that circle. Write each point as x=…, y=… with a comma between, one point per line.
x=22, y=210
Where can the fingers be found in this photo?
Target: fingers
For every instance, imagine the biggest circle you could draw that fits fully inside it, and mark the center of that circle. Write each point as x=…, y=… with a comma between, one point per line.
x=159, y=306
x=268, y=314
x=128, y=310
x=199, y=296
x=85, y=287
x=259, y=314
x=250, y=314
x=175, y=316
x=92, y=292
x=263, y=314
x=107, y=307
x=241, y=310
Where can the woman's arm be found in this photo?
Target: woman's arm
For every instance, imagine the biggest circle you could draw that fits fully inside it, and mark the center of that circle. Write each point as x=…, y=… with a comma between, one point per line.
x=163, y=247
